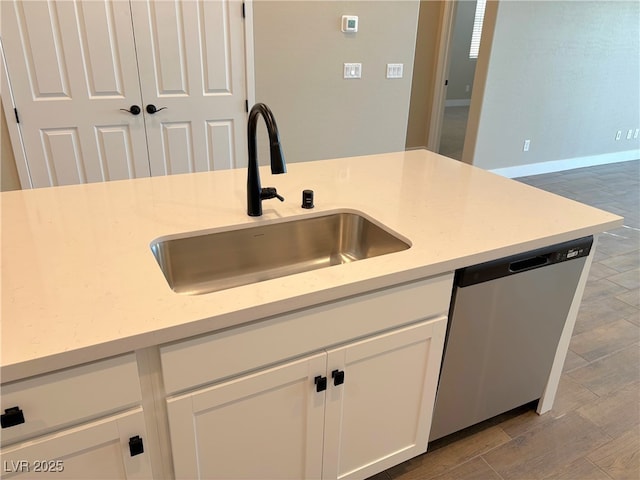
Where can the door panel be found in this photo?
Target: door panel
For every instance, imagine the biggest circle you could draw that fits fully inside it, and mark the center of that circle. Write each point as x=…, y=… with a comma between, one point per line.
x=44, y=56
x=98, y=450
x=216, y=54
x=100, y=55
x=264, y=425
x=166, y=25
x=370, y=426
x=63, y=156
x=72, y=67
x=177, y=147
x=191, y=60
x=115, y=148
x=220, y=137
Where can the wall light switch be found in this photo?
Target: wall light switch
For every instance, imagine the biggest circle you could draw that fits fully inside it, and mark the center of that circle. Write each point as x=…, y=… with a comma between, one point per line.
x=395, y=70
x=352, y=70
x=629, y=134
x=527, y=144
x=635, y=135
x=618, y=134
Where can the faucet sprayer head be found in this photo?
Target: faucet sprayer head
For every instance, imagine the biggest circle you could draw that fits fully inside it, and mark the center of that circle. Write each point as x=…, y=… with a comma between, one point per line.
x=278, y=165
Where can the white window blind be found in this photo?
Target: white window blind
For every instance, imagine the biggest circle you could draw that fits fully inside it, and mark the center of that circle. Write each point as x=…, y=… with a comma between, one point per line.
x=477, y=29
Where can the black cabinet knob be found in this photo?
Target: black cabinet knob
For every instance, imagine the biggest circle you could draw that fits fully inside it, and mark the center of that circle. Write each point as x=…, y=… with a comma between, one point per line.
x=135, y=446
x=11, y=417
x=338, y=377
x=321, y=383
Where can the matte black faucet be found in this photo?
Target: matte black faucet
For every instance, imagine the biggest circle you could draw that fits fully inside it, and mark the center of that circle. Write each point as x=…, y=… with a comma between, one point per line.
x=255, y=193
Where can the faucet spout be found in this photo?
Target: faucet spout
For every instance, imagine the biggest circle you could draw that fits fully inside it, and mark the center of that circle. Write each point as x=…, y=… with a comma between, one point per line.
x=255, y=193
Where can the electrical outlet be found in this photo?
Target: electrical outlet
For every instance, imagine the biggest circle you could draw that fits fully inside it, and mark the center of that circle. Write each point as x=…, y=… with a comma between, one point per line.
x=635, y=135
x=619, y=135
x=467, y=88
x=629, y=134
x=526, y=145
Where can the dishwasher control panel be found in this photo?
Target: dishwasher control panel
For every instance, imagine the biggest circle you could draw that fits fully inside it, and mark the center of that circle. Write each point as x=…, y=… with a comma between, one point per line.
x=575, y=252
x=523, y=262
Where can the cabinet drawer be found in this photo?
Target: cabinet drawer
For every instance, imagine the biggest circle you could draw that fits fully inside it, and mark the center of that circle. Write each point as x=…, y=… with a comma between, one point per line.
x=93, y=450
x=56, y=400
x=209, y=358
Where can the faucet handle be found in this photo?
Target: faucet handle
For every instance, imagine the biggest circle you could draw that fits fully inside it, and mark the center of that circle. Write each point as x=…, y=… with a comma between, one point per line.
x=270, y=192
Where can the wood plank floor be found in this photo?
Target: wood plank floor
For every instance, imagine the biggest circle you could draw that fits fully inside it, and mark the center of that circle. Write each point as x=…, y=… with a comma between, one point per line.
x=454, y=129
x=593, y=431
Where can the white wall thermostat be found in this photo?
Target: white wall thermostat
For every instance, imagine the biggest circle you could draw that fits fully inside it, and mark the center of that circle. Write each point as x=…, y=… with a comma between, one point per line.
x=349, y=23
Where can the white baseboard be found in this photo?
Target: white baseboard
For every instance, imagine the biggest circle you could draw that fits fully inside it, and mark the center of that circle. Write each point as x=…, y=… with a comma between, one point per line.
x=567, y=164
x=462, y=102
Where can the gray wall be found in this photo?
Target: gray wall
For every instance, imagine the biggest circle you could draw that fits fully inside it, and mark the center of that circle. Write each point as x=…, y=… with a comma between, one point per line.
x=563, y=74
x=299, y=56
x=461, y=67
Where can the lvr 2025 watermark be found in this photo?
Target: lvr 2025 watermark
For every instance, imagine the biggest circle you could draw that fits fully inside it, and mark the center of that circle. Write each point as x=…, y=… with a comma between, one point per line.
x=34, y=466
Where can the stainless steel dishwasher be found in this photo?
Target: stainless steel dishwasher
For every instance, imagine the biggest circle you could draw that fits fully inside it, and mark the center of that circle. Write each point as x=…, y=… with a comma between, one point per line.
x=505, y=323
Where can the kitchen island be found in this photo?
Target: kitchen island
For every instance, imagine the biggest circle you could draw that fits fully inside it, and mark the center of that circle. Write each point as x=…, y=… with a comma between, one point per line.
x=80, y=283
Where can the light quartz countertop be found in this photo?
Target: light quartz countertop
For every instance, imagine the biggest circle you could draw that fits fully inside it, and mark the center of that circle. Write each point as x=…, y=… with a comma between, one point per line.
x=80, y=283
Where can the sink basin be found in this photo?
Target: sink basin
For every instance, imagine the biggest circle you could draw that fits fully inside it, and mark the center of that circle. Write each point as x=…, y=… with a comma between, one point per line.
x=200, y=262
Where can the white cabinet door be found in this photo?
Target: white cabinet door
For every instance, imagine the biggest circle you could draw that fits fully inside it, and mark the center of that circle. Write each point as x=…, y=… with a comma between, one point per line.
x=191, y=60
x=73, y=68
x=381, y=415
x=266, y=425
x=98, y=450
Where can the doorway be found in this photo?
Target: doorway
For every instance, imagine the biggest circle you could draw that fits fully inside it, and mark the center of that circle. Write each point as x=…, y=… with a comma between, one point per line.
x=464, y=43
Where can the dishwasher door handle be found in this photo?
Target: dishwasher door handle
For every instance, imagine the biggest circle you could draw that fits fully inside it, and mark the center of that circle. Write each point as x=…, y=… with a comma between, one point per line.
x=527, y=263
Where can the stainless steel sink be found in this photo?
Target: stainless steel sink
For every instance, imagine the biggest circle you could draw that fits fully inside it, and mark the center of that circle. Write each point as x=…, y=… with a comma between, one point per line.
x=199, y=262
